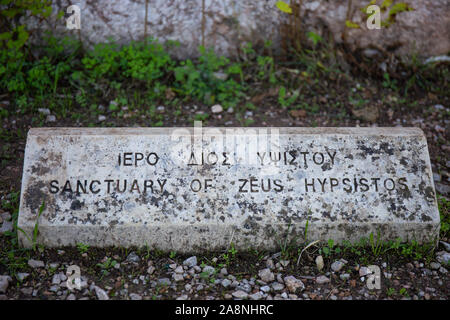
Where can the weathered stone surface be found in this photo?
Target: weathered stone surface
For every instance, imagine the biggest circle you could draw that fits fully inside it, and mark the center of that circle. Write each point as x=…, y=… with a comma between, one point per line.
x=148, y=186
x=228, y=24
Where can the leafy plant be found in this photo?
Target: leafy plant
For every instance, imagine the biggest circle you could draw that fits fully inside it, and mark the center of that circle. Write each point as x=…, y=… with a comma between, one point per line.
x=208, y=79
x=314, y=37
x=390, y=292
x=329, y=249
x=82, y=248
x=403, y=292
x=13, y=31
x=230, y=255
x=284, y=7
x=106, y=266
x=286, y=99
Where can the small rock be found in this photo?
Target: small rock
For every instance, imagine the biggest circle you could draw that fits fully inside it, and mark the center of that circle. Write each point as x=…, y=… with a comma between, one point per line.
x=244, y=287
x=6, y=216
x=293, y=284
x=443, y=257
x=442, y=188
x=56, y=279
x=71, y=297
x=36, y=263
x=7, y=226
x=276, y=286
x=135, y=296
x=44, y=111
x=217, y=108
x=151, y=269
x=436, y=177
x=337, y=265
x=51, y=118
x=319, y=263
x=190, y=262
x=133, y=257
x=435, y=265
x=284, y=263
x=364, y=271
x=164, y=282
x=179, y=269
x=178, y=277
x=208, y=269
x=54, y=288
x=173, y=266
x=101, y=294
x=266, y=275
x=22, y=276
x=371, y=53
x=256, y=296
x=183, y=297
x=226, y=283
x=280, y=278
x=344, y=276
x=221, y=75
x=4, y=283
x=27, y=291
x=240, y=294
x=265, y=289
x=197, y=269
x=224, y=271
x=322, y=280
x=101, y=118
x=446, y=245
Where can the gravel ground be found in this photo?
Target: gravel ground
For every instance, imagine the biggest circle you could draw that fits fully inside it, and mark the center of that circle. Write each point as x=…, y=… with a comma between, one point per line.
x=140, y=276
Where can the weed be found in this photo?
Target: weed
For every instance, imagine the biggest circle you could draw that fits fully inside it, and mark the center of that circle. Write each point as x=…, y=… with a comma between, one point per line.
x=376, y=245
x=82, y=248
x=390, y=292
x=286, y=99
x=329, y=249
x=106, y=266
x=230, y=255
x=208, y=80
x=403, y=292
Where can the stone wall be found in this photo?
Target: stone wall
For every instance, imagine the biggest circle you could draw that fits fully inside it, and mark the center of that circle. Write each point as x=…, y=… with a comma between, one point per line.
x=228, y=23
